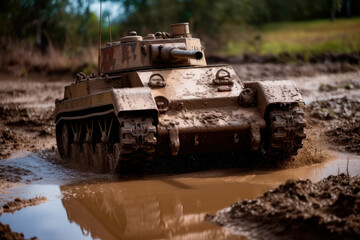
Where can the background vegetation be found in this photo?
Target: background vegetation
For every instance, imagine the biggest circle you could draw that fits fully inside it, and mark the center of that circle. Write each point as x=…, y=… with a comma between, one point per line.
x=67, y=31
x=306, y=38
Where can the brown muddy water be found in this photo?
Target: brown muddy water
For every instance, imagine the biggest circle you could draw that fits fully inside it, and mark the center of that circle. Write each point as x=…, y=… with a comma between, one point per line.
x=94, y=206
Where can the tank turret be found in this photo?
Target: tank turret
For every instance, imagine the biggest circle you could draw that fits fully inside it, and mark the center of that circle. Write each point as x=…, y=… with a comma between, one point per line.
x=155, y=50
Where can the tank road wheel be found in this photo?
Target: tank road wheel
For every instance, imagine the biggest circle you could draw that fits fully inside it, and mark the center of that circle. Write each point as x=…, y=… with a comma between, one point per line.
x=285, y=132
x=62, y=140
x=75, y=153
x=115, y=158
x=101, y=152
x=87, y=152
x=110, y=168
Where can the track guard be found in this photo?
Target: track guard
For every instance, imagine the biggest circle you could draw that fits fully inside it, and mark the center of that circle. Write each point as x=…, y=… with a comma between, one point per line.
x=133, y=100
x=274, y=92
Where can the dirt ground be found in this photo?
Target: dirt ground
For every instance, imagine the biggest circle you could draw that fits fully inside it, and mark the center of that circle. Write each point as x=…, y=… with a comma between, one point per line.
x=299, y=209
x=342, y=117
x=26, y=122
x=26, y=107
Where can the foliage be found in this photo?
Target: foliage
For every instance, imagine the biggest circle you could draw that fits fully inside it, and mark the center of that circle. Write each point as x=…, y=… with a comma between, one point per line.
x=45, y=22
x=311, y=37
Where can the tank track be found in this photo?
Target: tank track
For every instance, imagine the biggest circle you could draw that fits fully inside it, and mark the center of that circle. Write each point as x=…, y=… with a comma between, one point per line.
x=137, y=142
x=285, y=132
x=107, y=143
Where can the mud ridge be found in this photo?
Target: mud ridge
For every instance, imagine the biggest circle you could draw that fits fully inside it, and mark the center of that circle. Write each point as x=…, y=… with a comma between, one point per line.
x=11, y=141
x=7, y=233
x=329, y=209
x=20, y=203
x=347, y=136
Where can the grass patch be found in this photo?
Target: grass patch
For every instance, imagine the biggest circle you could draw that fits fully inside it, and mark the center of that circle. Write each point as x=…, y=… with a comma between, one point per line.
x=311, y=37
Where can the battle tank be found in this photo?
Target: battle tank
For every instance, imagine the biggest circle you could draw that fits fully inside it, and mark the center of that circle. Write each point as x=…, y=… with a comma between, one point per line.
x=156, y=96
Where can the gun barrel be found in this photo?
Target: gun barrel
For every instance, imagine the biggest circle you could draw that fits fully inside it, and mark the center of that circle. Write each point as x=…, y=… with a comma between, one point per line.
x=179, y=53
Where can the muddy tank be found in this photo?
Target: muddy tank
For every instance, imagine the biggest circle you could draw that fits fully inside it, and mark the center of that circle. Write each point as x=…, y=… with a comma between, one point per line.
x=156, y=96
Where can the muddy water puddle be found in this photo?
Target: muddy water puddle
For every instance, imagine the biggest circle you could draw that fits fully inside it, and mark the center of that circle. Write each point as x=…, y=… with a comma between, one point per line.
x=93, y=206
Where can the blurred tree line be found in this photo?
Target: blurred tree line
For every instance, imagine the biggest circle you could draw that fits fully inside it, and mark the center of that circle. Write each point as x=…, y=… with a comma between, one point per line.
x=61, y=23
x=69, y=24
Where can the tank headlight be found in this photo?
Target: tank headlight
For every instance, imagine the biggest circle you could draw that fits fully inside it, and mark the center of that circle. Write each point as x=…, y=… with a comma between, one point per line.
x=247, y=97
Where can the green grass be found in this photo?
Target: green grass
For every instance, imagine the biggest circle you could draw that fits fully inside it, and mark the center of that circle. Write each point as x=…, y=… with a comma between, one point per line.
x=312, y=37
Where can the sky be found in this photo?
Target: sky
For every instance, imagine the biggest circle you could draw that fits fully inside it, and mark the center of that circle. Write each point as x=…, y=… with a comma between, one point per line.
x=115, y=9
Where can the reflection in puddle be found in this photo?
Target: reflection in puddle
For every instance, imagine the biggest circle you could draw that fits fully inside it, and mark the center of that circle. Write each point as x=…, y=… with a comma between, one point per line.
x=158, y=207
x=46, y=221
x=151, y=208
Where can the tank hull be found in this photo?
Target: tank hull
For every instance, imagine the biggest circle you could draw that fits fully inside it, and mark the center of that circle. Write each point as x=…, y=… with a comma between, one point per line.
x=189, y=114
x=209, y=130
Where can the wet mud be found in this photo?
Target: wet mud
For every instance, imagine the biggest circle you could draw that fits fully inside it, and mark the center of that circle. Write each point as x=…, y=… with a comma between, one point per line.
x=26, y=107
x=341, y=119
x=346, y=137
x=11, y=142
x=19, y=203
x=327, y=58
x=329, y=209
x=8, y=234
x=271, y=71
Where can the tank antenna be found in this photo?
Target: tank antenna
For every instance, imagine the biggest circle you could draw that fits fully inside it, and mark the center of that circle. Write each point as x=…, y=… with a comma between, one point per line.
x=109, y=27
x=99, y=53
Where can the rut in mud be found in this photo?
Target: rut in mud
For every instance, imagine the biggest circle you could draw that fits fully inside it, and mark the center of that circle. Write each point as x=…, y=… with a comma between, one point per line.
x=329, y=209
x=341, y=119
